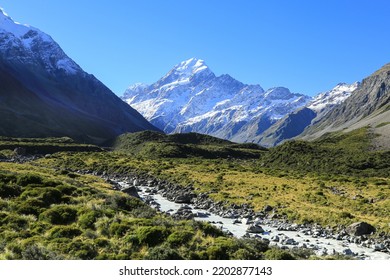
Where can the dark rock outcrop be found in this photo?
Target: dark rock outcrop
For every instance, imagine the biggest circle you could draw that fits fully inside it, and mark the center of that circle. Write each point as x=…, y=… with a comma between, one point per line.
x=360, y=228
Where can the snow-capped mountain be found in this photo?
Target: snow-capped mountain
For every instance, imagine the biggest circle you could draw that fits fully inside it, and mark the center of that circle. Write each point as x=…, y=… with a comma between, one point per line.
x=337, y=95
x=44, y=93
x=28, y=45
x=368, y=106
x=191, y=98
x=294, y=123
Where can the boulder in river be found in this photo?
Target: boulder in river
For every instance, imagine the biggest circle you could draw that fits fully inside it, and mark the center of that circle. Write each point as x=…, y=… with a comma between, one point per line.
x=255, y=229
x=185, y=198
x=360, y=228
x=131, y=191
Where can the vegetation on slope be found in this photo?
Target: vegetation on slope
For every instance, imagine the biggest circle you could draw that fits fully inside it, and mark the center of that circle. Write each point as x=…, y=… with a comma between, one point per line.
x=61, y=215
x=47, y=211
x=45, y=145
x=153, y=144
x=334, y=153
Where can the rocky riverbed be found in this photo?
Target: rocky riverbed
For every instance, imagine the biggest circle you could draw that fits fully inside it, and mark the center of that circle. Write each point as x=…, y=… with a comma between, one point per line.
x=181, y=202
x=241, y=221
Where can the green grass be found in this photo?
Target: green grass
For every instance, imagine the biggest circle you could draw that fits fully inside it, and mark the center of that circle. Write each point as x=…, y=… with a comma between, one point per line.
x=337, y=154
x=49, y=214
x=44, y=145
x=48, y=211
x=150, y=144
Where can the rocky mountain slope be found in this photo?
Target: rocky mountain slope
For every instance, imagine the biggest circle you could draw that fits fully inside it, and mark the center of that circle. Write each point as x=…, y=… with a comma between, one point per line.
x=191, y=98
x=368, y=106
x=296, y=122
x=45, y=93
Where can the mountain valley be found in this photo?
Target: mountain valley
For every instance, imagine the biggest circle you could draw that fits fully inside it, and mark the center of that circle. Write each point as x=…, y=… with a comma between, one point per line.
x=81, y=169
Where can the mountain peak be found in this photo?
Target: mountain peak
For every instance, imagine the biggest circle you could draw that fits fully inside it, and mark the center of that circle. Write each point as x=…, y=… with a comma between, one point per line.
x=9, y=25
x=192, y=65
x=189, y=68
x=332, y=97
x=185, y=71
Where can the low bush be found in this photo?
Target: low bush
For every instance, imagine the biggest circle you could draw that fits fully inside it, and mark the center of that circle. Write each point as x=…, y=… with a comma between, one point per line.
x=278, y=254
x=162, y=253
x=48, y=195
x=87, y=220
x=152, y=235
x=178, y=238
x=31, y=206
x=8, y=191
x=82, y=250
x=122, y=202
x=36, y=252
x=59, y=215
x=26, y=179
x=64, y=232
x=119, y=229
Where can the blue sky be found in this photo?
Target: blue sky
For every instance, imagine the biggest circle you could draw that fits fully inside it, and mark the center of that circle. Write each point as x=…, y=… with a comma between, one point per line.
x=307, y=46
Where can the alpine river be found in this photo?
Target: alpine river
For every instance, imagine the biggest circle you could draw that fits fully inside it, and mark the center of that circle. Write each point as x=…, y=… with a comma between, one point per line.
x=321, y=245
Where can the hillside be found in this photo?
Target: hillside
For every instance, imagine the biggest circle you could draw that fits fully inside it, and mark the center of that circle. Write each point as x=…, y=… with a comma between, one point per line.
x=154, y=144
x=367, y=107
x=44, y=93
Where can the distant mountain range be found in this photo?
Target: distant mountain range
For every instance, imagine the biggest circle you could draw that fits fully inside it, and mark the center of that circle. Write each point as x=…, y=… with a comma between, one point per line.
x=45, y=93
x=295, y=123
x=191, y=98
x=368, y=106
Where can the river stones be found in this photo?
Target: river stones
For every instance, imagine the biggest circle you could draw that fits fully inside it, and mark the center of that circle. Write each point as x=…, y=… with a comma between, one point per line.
x=275, y=238
x=131, y=191
x=255, y=229
x=184, y=198
x=359, y=229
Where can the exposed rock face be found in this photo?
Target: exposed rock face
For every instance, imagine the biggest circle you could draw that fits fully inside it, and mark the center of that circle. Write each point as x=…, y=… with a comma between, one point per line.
x=296, y=122
x=360, y=228
x=367, y=106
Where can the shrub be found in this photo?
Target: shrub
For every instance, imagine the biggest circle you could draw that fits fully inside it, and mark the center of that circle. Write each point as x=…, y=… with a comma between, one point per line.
x=122, y=202
x=27, y=179
x=15, y=222
x=151, y=235
x=210, y=230
x=222, y=248
x=178, y=238
x=59, y=215
x=346, y=215
x=119, y=229
x=7, y=178
x=162, y=253
x=64, y=232
x=47, y=195
x=67, y=189
x=82, y=250
x=277, y=254
x=7, y=191
x=31, y=206
x=101, y=242
x=35, y=252
x=87, y=220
